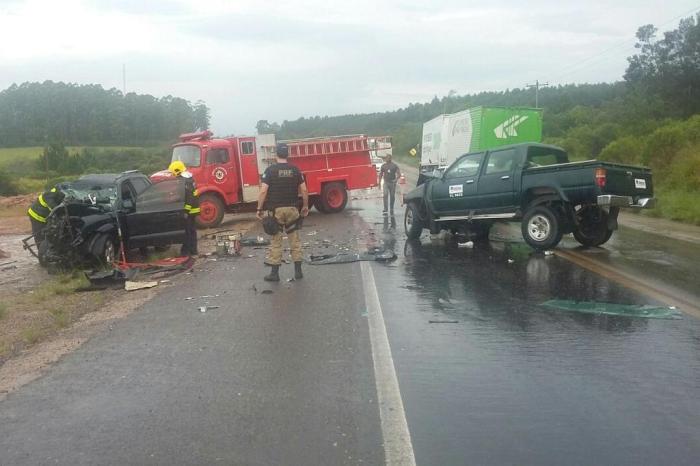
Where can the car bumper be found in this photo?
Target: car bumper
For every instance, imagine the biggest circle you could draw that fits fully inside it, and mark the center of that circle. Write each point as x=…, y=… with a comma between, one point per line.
x=626, y=201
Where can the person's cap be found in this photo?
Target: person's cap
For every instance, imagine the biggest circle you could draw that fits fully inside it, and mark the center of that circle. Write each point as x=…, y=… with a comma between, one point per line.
x=282, y=151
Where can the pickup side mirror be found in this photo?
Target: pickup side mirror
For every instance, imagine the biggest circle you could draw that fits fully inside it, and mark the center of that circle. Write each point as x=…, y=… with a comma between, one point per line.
x=128, y=204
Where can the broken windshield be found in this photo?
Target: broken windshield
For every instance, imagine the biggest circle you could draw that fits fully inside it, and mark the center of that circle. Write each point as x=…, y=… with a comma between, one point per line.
x=90, y=192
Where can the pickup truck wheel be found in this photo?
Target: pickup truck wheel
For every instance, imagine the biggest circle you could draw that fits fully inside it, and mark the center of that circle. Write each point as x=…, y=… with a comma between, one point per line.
x=412, y=222
x=540, y=228
x=592, y=229
x=334, y=197
x=211, y=211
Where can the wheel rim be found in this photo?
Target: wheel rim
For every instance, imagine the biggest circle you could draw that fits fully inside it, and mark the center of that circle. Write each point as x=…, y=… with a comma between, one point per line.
x=207, y=212
x=539, y=227
x=109, y=252
x=408, y=220
x=334, y=198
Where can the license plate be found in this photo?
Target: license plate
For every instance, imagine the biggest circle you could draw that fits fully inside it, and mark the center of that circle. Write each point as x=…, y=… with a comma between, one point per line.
x=640, y=183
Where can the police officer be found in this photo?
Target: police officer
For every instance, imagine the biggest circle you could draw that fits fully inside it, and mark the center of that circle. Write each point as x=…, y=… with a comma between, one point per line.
x=282, y=184
x=189, y=247
x=40, y=210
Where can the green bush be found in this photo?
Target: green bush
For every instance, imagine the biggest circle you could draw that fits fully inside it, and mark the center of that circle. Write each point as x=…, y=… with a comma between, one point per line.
x=627, y=149
x=680, y=205
x=8, y=186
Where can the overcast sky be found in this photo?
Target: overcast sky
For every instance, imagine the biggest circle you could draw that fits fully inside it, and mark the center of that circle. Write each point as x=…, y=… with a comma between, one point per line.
x=277, y=60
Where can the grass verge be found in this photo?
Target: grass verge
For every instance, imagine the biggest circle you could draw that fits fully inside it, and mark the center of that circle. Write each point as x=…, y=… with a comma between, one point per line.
x=28, y=317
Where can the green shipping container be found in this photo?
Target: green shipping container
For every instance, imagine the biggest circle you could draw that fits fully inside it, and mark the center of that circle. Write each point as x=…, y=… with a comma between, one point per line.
x=446, y=137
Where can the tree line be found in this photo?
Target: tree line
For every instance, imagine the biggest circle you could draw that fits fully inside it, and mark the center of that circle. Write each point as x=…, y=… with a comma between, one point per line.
x=650, y=118
x=37, y=114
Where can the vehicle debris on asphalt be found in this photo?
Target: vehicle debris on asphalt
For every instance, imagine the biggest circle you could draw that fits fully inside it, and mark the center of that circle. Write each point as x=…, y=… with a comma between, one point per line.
x=133, y=286
x=204, y=309
x=614, y=309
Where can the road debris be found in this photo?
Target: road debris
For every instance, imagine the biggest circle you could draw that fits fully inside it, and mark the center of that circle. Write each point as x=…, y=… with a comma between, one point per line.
x=375, y=254
x=443, y=321
x=133, y=286
x=266, y=292
x=613, y=309
x=204, y=309
x=257, y=241
x=548, y=252
x=510, y=261
x=468, y=245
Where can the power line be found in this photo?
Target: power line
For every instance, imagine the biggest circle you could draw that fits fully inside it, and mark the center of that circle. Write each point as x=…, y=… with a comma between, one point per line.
x=622, y=46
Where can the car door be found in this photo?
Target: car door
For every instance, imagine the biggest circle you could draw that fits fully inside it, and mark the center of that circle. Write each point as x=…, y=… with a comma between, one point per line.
x=496, y=187
x=157, y=217
x=455, y=191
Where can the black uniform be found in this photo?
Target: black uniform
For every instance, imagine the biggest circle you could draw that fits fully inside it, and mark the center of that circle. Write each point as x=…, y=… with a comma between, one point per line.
x=283, y=180
x=40, y=210
x=189, y=247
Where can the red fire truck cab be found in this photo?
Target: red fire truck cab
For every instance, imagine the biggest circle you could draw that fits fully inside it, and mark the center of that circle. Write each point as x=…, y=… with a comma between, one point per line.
x=227, y=170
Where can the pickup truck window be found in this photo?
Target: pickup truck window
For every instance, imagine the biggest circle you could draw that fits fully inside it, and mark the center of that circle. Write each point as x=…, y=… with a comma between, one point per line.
x=541, y=157
x=467, y=166
x=500, y=161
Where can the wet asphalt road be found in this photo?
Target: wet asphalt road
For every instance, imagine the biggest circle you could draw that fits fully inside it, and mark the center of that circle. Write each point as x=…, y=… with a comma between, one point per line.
x=287, y=378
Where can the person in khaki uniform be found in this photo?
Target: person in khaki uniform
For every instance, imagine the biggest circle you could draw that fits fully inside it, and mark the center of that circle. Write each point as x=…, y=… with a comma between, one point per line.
x=282, y=185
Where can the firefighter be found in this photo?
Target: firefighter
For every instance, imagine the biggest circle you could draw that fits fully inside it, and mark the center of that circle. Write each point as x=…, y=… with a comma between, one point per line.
x=189, y=247
x=40, y=210
x=282, y=184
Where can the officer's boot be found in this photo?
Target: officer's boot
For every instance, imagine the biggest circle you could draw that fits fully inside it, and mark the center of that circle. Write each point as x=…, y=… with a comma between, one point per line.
x=297, y=270
x=274, y=275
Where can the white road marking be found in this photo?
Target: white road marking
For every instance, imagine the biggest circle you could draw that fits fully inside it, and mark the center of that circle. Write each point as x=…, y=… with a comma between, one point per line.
x=398, y=449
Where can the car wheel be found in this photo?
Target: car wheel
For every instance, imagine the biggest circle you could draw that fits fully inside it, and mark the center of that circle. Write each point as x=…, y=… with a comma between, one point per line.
x=41, y=251
x=412, y=223
x=592, y=229
x=105, y=250
x=211, y=211
x=334, y=197
x=540, y=228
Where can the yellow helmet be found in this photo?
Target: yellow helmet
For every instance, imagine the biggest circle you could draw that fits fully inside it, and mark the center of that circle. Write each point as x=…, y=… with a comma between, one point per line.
x=177, y=167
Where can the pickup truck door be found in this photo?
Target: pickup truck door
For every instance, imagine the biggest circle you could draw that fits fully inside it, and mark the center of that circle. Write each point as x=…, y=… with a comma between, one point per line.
x=455, y=193
x=157, y=217
x=496, y=190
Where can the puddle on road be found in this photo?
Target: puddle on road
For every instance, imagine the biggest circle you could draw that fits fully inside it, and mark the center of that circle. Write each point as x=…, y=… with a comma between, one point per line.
x=614, y=309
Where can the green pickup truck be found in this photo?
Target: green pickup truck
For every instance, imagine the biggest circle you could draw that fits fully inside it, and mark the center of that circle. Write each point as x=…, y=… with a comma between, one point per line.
x=534, y=184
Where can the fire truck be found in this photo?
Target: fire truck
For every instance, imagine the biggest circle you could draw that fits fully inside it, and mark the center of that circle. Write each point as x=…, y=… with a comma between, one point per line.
x=227, y=171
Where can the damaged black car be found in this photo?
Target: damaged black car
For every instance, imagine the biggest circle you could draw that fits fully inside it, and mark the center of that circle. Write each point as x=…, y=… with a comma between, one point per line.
x=101, y=214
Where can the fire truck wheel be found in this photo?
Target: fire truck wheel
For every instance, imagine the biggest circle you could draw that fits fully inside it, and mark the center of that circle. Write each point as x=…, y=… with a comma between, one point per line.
x=316, y=202
x=211, y=211
x=334, y=197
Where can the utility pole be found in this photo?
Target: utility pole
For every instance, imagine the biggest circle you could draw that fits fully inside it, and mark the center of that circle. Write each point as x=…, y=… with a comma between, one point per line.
x=124, y=79
x=537, y=86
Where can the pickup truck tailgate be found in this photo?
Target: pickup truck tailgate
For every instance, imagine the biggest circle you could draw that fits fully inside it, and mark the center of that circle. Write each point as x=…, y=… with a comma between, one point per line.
x=626, y=180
